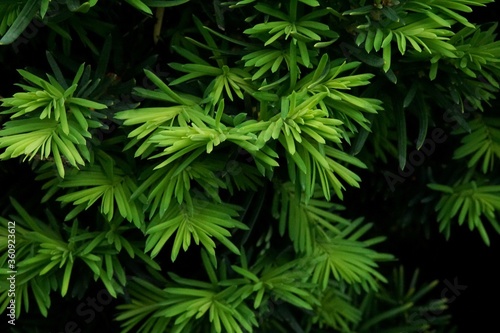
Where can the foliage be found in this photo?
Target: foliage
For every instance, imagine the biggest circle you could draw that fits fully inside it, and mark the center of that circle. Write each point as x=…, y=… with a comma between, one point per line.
x=245, y=154
x=63, y=121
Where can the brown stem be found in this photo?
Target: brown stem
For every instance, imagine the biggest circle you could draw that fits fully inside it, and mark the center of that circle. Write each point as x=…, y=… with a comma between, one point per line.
x=159, y=21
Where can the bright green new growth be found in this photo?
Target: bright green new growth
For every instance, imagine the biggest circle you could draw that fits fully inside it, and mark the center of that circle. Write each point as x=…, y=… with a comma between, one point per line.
x=54, y=122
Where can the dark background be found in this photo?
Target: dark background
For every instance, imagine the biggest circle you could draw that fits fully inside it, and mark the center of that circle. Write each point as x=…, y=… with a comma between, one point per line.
x=465, y=256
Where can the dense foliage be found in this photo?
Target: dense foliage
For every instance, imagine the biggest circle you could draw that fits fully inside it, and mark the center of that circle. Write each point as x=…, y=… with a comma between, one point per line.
x=208, y=166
